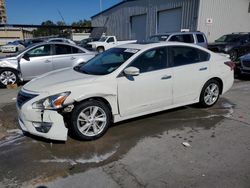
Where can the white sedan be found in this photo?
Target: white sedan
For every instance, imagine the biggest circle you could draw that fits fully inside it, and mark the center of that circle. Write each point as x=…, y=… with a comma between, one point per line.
x=122, y=83
x=14, y=46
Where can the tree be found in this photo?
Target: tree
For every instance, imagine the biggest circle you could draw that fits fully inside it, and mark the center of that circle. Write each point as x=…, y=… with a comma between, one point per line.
x=47, y=30
x=81, y=23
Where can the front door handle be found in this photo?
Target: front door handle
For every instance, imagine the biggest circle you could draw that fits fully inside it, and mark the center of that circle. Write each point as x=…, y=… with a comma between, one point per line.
x=72, y=58
x=47, y=61
x=166, y=77
x=203, y=68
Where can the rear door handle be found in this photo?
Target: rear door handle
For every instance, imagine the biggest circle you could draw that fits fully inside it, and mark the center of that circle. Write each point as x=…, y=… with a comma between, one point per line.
x=203, y=68
x=72, y=58
x=166, y=77
x=47, y=61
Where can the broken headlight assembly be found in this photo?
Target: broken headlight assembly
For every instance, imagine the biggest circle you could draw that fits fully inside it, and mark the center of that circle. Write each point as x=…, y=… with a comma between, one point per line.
x=52, y=102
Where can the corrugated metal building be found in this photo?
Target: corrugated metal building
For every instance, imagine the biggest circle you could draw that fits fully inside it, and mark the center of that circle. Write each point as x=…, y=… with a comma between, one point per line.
x=138, y=19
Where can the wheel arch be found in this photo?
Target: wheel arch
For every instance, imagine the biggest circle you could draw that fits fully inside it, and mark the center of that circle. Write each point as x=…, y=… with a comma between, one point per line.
x=101, y=47
x=218, y=80
x=110, y=101
x=9, y=68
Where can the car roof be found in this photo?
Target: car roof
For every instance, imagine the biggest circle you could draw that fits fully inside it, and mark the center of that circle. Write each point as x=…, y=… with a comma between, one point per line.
x=69, y=44
x=179, y=33
x=149, y=45
x=237, y=34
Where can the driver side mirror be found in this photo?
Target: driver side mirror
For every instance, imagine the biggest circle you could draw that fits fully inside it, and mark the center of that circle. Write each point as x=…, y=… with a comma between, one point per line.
x=26, y=57
x=132, y=71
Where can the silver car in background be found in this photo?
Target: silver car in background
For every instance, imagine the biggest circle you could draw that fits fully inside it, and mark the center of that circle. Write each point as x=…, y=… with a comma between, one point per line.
x=39, y=59
x=195, y=37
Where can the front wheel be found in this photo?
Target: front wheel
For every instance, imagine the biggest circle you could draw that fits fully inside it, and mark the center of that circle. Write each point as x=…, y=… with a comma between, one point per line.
x=90, y=120
x=233, y=55
x=210, y=93
x=100, y=49
x=8, y=77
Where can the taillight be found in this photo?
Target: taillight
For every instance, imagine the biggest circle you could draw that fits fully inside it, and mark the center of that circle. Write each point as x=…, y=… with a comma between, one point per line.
x=230, y=64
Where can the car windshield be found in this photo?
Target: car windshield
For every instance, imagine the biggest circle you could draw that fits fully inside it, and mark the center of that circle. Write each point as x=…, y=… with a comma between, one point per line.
x=103, y=39
x=106, y=62
x=228, y=38
x=158, y=38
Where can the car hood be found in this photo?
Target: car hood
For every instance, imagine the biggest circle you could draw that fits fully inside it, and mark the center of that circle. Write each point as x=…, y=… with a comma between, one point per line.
x=9, y=45
x=96, y=43
x=220, y=44
x=245, y=57
x=58, y=80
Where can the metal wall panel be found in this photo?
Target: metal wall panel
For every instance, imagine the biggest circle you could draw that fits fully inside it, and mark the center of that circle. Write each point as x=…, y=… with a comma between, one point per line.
x=218, y=17
x=118, y=19
x=169, y=20
x=138, y=27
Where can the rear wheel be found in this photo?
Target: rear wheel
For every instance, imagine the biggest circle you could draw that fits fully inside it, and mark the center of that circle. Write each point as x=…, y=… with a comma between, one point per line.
x=90, y=120
x=210, y=93
x=8, y=77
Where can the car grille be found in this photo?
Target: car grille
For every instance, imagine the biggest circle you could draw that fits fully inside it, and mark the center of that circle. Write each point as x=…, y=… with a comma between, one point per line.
x=89, y=47
x=246, y=63
x=22, y=98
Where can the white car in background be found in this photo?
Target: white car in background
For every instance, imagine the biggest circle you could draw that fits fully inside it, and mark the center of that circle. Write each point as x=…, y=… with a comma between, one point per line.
x=107, y=42
x=64, y=40
x=14, y=46
x=122, y=83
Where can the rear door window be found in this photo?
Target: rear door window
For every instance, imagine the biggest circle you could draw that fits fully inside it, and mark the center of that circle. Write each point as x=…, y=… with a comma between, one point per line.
x=200, y=38
x=76, y=50
x=184, y=55
x=61, y=49
x=187, y=38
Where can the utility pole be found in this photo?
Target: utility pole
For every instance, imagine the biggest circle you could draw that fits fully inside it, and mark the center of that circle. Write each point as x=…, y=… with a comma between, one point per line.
x=100, y=5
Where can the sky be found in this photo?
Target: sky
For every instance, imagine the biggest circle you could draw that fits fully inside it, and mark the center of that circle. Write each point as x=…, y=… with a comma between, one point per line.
x=37, y=11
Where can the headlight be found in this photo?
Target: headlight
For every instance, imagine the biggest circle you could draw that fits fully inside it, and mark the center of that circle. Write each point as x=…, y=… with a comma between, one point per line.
x=52, y=102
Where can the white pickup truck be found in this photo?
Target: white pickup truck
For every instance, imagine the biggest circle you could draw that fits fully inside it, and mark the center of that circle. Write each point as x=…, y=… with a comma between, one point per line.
x=108, y=42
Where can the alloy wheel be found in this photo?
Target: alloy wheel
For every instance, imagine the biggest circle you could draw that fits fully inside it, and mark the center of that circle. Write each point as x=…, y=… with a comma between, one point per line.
x=91, y=121
x=211, y=94
x=8, y=77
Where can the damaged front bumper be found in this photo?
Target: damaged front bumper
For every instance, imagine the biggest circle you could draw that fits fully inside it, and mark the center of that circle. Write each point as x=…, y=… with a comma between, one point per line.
x=44, y=123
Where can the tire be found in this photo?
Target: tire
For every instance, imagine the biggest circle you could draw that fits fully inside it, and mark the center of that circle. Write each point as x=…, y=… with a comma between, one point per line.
x=8, y=76
x=84, y=120
x=208, y=97
x=100, y=49
x=233, y=55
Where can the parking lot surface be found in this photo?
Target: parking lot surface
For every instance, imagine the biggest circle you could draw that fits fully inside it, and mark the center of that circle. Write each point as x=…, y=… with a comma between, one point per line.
x=143, y=152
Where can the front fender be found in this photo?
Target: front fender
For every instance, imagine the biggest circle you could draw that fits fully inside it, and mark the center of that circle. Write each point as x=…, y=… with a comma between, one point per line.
x=110, y=98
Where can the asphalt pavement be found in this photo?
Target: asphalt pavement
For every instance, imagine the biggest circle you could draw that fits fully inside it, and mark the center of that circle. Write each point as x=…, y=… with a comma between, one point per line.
x=148, y=151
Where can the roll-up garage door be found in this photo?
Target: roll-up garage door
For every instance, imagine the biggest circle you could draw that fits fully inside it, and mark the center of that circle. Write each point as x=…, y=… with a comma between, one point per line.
x=138, y=27
x=169, y=20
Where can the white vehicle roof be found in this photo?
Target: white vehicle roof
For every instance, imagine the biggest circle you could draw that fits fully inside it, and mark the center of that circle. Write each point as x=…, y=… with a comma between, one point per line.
x=144, y=46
